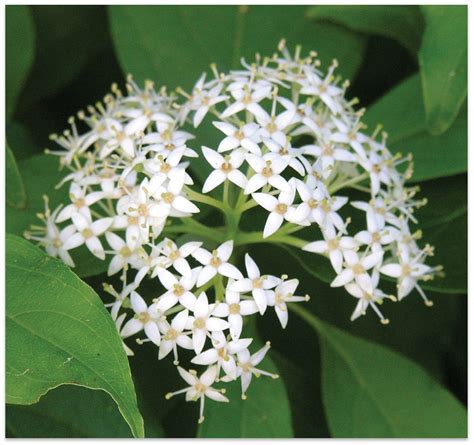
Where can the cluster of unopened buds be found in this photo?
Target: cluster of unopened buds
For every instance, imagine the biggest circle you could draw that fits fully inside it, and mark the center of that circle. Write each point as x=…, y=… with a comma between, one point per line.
x=289, y=144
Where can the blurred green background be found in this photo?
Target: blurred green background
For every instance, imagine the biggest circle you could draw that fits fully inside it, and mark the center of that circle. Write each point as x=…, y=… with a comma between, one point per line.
x=407, y=66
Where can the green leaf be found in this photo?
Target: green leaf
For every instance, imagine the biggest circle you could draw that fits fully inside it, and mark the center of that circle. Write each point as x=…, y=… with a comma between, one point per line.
x=443, y=64
x=265, y=414
x=371, y=391
x=40, y=176
x=23, y=144
x=450, y=241
x=401, y=23
x=445, y=215
x=15, y=190
x=19, y=44
x=67, y=38
x=401, y=113
x=220, y=34
x=447, y=200
x=304, y=395
x=53, y=314
x=68, y=412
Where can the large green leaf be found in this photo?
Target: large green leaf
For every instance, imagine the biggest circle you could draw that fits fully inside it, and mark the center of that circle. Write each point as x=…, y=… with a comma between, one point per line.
x=402, y=114
x=447, y=200
x=302, y=384
x=371, y=391
x=173, y=45
x=450, y=241
x=401, y=23
x=23, y=144
x=68, y=37
x=265, y=414
x=15, y=189
x=444, y=224
x=443, y=64
x=67, y=412
x=19, y=44
x=58, y=332
x=40, y=175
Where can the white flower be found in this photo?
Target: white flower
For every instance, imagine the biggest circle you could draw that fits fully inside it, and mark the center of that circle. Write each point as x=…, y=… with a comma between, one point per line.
x=291, y=155
x=88, y=232
x=118, y=324
x=51, y=236
x=142, y=117
x=237, y=309
x=177, y=290
x=280, y=208
x=378, y=170
x=142, y=205
x=202, y=99
x=377, y=238
x=349, y=134
x=356, y=268
x=202, y=322
x=245, y=99
x=222, y=353
x=167, y=140
x=176, y=257
x=367, y=299
x=199, y=388
x=171, y=197
x=224, y=168
x=135, y=234
x=255, y=283
x=174, y=336
x=273, y=126
x=247, y=366
x=73, y=143
x=315, y=86
x=325, y=214
x=284, y=293
x=164, y=166
x=123, y=138
x=80, y=203
x=267, y=171
x=377, y=213
x=123, y=255
x=329, y=154
x=145, y=318
x=120, y=298
x=216, y=262
x=409, y=271
x=245, y=137
x=334, y=245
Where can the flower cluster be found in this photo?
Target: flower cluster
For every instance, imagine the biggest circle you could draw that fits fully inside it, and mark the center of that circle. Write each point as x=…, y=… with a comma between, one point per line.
x=290, y=142
x=267, y=112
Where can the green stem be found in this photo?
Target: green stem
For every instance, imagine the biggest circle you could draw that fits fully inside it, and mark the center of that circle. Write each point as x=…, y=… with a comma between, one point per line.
x=248, y=205
x=204, y=199
x=214, y=233
x=173, y=310
x=350, y=182
x=195, y=228
x=219, y=287
x=225, y=195
x=205, y=287
x=243, y=238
